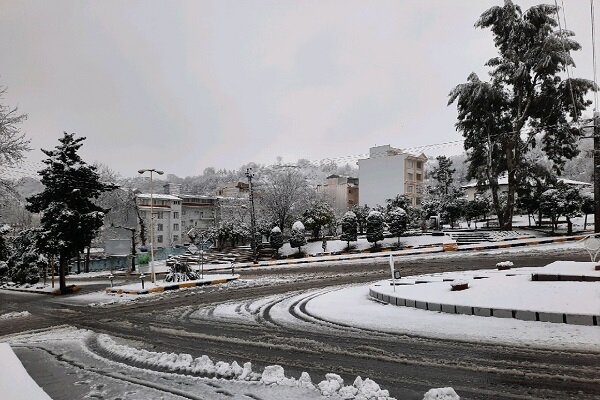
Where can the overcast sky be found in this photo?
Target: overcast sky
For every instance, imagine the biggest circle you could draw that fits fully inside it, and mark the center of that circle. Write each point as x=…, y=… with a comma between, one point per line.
x=182, y=86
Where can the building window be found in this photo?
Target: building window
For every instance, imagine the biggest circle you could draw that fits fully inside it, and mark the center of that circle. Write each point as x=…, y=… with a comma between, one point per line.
x=410, y=176
x=182, y=212
x=159, y=239
x=418, y=201
x=410, y=164
x=409, y=189
x=175, y=227
x=419, y=177
x=160, y=215
x=176, y=238
x=419, y=165
x=159, y=227
x=175, y=214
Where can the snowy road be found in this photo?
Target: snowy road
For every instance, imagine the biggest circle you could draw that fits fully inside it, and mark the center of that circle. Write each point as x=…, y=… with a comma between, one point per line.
x=267, y=322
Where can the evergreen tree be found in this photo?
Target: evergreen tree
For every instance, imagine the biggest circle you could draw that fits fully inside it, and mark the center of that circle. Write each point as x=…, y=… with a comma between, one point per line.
x=70, y=219
x=276, y=239
x=587, y=207
x=526, y=90
x=361, y=216
x=374, y=227
x=27, y=260
x=349, y=228
x=397, y=220
x=298, y=239
x=561, y=201
x=476, y=208
x=443, y=173
x=318, y=215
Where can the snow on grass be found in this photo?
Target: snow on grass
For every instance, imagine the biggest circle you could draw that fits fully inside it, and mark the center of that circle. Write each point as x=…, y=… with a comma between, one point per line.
x=313, y=248
x=352, y=306
x=15, y=382
x=511, y=290
x=15, y=314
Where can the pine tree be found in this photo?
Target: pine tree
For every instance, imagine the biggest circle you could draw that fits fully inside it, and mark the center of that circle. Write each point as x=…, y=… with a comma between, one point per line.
x=397, y=220
x=297, y=239
x=374, y=227
x=70, y=219
x=276, y=239
x=443, y=173
x=349, y=227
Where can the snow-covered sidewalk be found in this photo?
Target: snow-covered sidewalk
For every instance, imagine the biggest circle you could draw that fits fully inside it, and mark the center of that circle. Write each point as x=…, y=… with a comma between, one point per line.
x=15, y=382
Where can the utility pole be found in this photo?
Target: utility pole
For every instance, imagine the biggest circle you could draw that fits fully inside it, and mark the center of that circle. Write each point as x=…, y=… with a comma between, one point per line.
x=596, y=172
x=250, y=175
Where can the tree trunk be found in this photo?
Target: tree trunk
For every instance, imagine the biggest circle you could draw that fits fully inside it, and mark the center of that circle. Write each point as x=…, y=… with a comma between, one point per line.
x=78, y=262
x=585, y=222
x=569, y=226
x=87, y=259
x=62, y=269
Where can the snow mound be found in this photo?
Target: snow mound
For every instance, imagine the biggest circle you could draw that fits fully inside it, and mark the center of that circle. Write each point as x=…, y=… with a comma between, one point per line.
x=333, y=385
x=505, y=264
x=12, y=315
x=275, y=230
x=298, y=226
x=446, y=393
x=374, y=213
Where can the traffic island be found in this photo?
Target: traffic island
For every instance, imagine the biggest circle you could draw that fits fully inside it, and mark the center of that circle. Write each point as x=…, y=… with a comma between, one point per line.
x=561, y=292
x=162, y=286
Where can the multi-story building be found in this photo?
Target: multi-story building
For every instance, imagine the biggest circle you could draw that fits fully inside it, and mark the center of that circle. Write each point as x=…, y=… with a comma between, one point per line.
x=389, y=172
x=341, y=190
x=234, y=189
x=167, y=218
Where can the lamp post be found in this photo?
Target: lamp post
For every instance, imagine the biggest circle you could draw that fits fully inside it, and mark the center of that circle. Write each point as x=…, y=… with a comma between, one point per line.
x=250, y=175
x=151, y=170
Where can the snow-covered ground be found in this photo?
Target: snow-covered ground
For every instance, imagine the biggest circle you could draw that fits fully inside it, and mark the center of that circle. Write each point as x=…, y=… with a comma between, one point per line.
x=161, y=283
x=313, y=248
x=507, y=289
x=15, y=382
x=104, y=369
x=13, y=315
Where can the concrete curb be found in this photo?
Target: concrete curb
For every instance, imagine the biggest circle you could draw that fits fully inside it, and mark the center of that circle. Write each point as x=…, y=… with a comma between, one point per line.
x=523, y=315
x=56, y=292
x=174, y=286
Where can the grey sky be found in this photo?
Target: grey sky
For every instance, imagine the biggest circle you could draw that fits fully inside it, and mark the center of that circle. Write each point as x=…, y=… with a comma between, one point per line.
x=181, y=85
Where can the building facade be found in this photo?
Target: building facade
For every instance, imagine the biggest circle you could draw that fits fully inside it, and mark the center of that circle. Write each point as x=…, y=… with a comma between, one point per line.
x=389, y=172
x=342, y=191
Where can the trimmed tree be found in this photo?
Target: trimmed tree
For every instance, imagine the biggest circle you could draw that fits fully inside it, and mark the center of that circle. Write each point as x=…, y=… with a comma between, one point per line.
x=361, y=216
x=318, y=215
x=70, y=219
x=349, y=228
x=587, y=207
x=375, y=227
x=298, y=239
x=27, y=261
x=397, y=220
x=276, y=239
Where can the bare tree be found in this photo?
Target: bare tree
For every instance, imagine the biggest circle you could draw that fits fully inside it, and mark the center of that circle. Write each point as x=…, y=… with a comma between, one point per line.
x=282, y=193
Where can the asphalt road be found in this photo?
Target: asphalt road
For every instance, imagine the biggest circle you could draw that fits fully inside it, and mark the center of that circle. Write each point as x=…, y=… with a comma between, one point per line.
x=406, y=365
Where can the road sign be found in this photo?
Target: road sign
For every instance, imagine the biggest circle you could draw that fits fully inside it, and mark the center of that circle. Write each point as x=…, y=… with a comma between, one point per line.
x=193, y=249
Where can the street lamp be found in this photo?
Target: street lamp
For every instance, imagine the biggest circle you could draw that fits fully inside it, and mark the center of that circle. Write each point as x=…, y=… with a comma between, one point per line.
x=142, y=171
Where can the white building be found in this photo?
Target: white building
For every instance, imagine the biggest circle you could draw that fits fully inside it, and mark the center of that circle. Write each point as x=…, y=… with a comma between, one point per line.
x=342, y=191
x=167, y=218
x=389, y=172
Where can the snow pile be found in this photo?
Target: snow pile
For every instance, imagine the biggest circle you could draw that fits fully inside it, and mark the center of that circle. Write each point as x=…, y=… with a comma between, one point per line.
x=505, y=264
x=15, y=382
x=446, y=393
x=298, y=226
x=333, y=385
x=179, y=362
x=12, y=315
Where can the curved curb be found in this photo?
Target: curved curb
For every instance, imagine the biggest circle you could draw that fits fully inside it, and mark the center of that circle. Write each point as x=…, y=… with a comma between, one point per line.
x=174, y=286
x=523, y=315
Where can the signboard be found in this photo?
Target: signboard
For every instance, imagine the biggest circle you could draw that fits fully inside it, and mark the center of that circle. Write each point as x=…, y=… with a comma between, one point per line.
x=117, y=247
x=193, y=249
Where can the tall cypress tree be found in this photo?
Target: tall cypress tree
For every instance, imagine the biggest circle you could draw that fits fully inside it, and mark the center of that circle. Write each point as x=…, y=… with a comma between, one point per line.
x=70, y=219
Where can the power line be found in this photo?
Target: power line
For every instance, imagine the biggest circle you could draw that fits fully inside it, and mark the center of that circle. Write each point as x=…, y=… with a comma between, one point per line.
x=562, y=41
x=594, y=53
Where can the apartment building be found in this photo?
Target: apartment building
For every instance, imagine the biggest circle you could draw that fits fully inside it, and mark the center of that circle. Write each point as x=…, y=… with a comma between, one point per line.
x=342, y=191
x=167, y=218
x=389, y=172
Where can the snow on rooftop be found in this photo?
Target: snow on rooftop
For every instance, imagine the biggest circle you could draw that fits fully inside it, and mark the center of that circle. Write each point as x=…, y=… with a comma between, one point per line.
x=158, y=196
